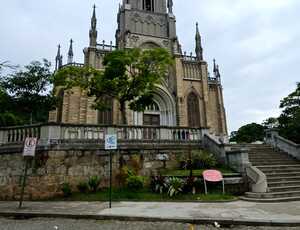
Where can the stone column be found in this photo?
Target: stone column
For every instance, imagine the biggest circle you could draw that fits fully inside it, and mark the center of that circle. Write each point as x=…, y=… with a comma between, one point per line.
x=50, y=132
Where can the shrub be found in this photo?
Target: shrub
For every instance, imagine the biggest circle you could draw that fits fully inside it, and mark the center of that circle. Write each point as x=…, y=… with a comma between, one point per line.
x=135, y=183
x=94, y=183
x=66, y=189
x=203, y=160
x=123, y=174
x=175, y=186
x=83, y=187
x=158, y=184
x=189, y=184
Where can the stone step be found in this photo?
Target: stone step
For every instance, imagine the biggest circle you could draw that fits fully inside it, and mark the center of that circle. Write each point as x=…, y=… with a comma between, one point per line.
x=280, y=170
x=271, y=162
x=280, y=166
x=285, y=188
x=283, y=179
x=271, y=200
x=282, y=174
x=270, y=195
x=283, y=184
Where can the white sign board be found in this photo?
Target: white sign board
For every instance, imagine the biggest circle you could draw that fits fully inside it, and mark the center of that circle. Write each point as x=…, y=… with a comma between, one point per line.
x=111, y=142
x=29, y=147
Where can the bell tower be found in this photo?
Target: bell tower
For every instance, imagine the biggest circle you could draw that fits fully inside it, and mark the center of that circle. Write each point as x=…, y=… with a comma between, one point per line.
x=146, y=24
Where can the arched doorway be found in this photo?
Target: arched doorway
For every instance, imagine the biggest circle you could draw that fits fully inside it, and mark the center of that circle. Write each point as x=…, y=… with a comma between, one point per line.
x=163, y=111
x=193, y=110
x=152, y=115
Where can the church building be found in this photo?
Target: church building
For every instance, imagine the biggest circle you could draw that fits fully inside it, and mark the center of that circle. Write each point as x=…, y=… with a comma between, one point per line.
x=188, y=96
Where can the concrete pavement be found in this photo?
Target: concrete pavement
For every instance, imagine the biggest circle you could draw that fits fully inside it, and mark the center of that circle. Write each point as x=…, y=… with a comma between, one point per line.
x=237, y=212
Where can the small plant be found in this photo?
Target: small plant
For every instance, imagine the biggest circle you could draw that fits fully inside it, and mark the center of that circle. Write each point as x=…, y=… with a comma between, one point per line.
x=94, y=183
x=158, y=184
x=83, y=187
x=66, y=189
x=123, y=174
x=203, y=160
x=135, y=183
x=189, y=185
x=175, y=186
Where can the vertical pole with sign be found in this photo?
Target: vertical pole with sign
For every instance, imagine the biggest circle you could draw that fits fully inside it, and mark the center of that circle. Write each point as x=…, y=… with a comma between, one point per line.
x=28, y=153
x=110, y=144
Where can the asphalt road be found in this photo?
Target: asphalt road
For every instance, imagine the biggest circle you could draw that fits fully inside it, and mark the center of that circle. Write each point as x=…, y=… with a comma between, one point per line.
x=68, y=224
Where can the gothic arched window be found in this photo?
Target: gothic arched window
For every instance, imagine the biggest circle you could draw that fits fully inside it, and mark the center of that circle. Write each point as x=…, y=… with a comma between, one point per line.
x=193, y=111
x=106, y=117
x=148, y=5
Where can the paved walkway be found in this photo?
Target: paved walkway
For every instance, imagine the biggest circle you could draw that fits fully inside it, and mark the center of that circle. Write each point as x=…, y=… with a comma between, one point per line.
x=239, y=212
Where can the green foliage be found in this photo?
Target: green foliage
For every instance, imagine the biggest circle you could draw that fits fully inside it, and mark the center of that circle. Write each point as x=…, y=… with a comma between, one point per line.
x=289, y=120
x=202, y=159
x=135, y=183
x=175, y=186
x=25, y=94
x=158, y=184
x=94, y=183
x=130, y=77
x=248, y=133
x=83, y=187
x=123, y=174
x=66, y=189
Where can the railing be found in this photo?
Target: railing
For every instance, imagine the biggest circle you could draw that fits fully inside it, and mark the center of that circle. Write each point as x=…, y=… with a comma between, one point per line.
x=258, y=180
x=236, y=158
x=278, y=142
x=18, y=134
x=106, y=47
x=190, y=57
x=136, y=133
x=73, y=64
x=49, y=133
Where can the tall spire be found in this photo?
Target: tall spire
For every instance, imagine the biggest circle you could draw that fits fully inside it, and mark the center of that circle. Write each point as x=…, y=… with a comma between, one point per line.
x=70, y=53
x=93, y=30
x=217, y=74
x=199, y=49
x=58, y=59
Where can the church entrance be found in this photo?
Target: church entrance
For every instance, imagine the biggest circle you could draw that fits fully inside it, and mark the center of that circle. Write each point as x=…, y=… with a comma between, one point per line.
x=151, y=120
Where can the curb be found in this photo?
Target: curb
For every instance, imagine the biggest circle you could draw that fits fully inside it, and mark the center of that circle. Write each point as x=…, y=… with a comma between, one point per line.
x=197, y=221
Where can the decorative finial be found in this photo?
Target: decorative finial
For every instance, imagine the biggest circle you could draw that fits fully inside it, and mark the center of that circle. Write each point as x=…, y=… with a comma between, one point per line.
x=170, y=6
x=199, y=50
x=70, y=53
x=93, y=30
x=58, y=59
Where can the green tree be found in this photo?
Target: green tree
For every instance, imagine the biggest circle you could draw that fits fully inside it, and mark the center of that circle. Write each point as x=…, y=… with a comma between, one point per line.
x=289, y=120
x=29, y=92
x=248, y=133
x=130, y=77
x=271, y=123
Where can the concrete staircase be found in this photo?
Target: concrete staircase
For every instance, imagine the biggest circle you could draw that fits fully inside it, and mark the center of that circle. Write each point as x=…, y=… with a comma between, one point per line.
x=282, y=172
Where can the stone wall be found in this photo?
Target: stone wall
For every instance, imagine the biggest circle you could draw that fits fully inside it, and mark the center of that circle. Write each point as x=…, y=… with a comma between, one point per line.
x=51, y=169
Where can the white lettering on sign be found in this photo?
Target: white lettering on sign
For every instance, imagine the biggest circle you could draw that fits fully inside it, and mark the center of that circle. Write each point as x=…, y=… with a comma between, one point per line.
x=111, y=142
x=30, y=147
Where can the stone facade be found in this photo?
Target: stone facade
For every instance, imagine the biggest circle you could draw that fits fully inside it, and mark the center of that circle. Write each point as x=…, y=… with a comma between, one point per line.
x=188, y=97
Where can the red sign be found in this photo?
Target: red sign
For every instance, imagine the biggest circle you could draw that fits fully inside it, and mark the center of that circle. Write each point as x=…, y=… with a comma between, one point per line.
x=212, y=175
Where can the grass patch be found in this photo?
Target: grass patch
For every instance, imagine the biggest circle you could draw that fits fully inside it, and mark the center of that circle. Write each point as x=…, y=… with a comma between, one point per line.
x=198, y=172
x=145, y=195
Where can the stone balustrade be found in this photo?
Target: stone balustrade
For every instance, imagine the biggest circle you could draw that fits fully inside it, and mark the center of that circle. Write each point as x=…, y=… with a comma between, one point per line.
x=274, y=139
x=69, y=133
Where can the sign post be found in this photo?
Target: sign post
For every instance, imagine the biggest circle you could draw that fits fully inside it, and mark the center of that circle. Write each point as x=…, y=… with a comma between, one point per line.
x=28, y=153
x=110, y=144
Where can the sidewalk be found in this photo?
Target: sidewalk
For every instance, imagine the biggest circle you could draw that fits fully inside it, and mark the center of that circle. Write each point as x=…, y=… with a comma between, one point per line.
x=238, y=212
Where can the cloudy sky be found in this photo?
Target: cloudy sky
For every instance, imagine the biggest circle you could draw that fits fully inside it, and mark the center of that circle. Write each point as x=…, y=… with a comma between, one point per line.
x=255, y=42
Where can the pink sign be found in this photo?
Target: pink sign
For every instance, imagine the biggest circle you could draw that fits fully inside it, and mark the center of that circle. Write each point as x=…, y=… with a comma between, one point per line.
x=212, y=175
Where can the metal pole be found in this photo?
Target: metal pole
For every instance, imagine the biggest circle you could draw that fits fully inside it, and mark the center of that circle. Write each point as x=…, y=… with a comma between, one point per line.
x=110, y=178
x=24, y=182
